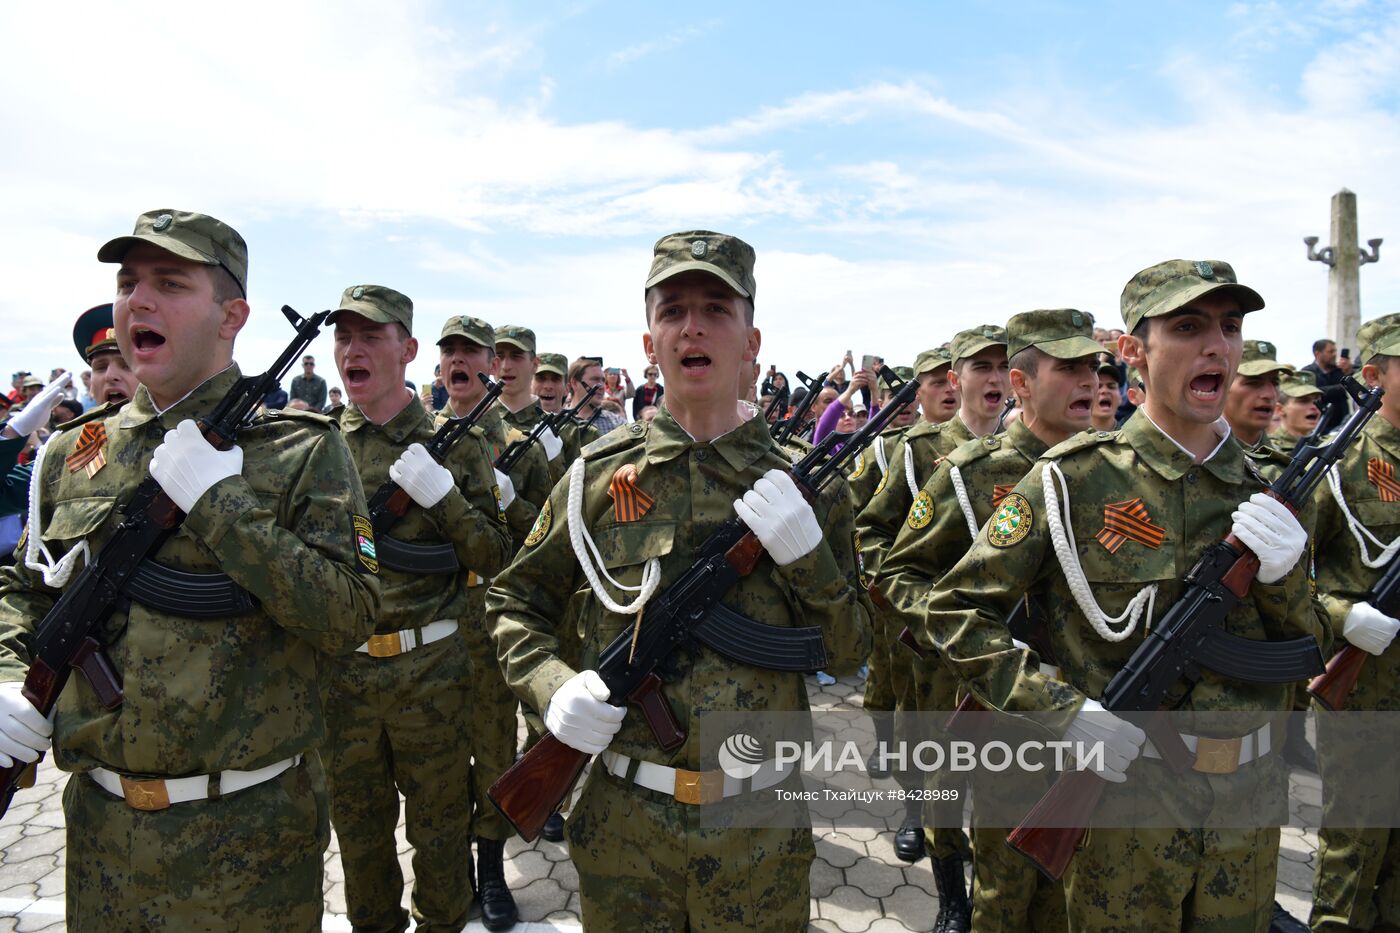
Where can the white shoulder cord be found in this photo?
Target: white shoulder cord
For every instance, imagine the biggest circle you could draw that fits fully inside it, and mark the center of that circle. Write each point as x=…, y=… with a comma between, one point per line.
x=909, y=469
x=1062, y=537
x=1334, y=481
x=56, y=574
x=583, y=546
x=963, y=501
x=882, y=459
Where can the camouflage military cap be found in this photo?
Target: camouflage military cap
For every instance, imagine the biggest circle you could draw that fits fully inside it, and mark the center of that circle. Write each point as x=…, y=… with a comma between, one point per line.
x=728, y=258
x=974, y=340
x=32, y=382
x=376, y=303
x=1172, y=285
x=522, y=337
x=473, y=328
x=556, y=363
x=1260, y=358
x=94, y=333
x=196, y=237
x=1064, y=333
x=1109, y=371
x=1380, y=337
x=1299, y=384
x=931, y=360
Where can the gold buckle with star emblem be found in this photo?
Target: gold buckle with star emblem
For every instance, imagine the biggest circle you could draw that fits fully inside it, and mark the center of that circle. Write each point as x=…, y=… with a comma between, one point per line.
x=144, y=795
x=385, y=646
x=699, y=787
x=1217, y=756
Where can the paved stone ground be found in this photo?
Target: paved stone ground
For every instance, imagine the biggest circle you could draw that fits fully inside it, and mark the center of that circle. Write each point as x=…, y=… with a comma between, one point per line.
x=858, y=886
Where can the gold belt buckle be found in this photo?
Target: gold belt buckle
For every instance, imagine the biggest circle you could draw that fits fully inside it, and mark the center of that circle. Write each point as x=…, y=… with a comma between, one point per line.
x=144, y=795
x=699, y=787
x=1217, y=756
x=385, y=646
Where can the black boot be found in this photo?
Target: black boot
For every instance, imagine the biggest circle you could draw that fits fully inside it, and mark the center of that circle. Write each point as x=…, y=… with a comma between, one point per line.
x=954, y=912
x=1296, y=750
x=884, y=738
x=1284, y=922
x=554, y=827
x=497, y=905
x=909, y=838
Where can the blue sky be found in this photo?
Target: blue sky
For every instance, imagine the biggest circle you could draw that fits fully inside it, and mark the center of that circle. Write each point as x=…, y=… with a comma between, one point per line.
x=904, y=170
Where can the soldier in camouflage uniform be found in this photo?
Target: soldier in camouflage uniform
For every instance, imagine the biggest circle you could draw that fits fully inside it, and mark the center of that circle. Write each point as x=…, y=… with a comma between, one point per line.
x=550, y=390
x=200, y=802
x=399, y=709
x=1358, y=521
x=651, y=494
x=1299, y=398
x=516, y=364
x=1253, y=396
x=977, y=371
x=1052, y=359
x=468, y=347
x=1143, y=502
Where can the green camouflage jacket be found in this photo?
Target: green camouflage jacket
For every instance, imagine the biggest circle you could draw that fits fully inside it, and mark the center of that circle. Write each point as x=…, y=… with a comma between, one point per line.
x=469, y=518
x=1168, y=510
x=206, y=695
x=879, y=521
x=692, y=487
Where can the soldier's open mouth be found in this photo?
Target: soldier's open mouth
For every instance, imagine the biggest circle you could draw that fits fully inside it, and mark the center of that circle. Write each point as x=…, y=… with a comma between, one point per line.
x=356, y=376
x=1207, y=385
x=993, y=399
x=146, y=339
x=1080, y=406
x=695, y=363
x=459, y=377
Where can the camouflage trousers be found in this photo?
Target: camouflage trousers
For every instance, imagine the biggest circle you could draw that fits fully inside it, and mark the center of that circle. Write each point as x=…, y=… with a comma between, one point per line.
x=1008, y=893
x=1357, y=884
x=493, y=729
x=251, y=861
x=645, y=864
x=1216, y=878
x=931, y=688
x=879, y=686
x=400, y=725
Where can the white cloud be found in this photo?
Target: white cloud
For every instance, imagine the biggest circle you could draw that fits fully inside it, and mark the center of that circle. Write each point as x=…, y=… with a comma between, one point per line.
x=665, y=43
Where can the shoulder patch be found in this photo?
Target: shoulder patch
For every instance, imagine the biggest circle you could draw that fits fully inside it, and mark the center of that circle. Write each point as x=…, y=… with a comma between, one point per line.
x=367, y=558
x=541, y=526
x=1011, y=522
x=859, y=466
x=921, y=510
x=884, y=481
x=101, y=411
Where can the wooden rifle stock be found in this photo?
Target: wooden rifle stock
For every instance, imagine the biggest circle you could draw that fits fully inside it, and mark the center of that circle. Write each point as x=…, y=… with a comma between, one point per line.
x=1072, y=799
x=1333, y=686
x=531, y=789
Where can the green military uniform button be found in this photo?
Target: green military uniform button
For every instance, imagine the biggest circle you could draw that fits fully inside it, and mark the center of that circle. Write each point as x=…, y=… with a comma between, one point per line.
x=635, y=428
x=702, y=455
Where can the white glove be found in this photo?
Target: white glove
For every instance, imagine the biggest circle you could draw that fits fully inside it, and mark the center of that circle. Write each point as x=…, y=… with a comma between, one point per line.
x=1272, y=532
x=580, y=716
x=776, y=512
x=24, y=731
x=1121, y=740
x=187, y=465
x=36, y=413
x=551, y=443
x=507, y=489
x=424, y=479
x=1369, y=629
